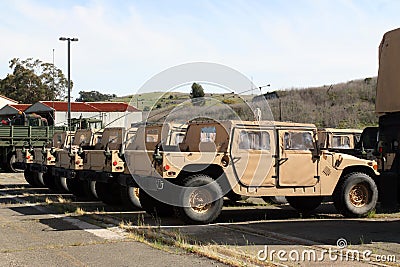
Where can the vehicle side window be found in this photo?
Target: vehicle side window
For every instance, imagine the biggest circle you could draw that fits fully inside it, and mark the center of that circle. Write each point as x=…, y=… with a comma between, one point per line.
x=178, y=139
x=340, y=141
x=151, y=135
x=254, y=140
x=298, y=141
x=208, y=134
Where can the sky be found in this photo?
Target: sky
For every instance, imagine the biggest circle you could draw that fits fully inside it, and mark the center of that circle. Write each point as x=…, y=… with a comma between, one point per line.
x=122, y=44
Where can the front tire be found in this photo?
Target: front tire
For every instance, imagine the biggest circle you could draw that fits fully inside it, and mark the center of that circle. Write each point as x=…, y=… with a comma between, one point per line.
x=356, y=195
x=202, y=200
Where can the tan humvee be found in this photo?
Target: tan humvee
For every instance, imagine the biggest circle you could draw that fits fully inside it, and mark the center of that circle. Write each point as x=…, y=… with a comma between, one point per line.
x=338, y=139
x=70, y=160
x=45, y=159
x=105, y=155
x=24, y=157
x=254, y=159
x=142, y=146
x=102, y=164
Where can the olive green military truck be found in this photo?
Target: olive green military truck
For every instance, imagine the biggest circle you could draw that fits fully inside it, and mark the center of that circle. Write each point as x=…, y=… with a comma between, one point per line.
x=23, y=132
x=252, y=159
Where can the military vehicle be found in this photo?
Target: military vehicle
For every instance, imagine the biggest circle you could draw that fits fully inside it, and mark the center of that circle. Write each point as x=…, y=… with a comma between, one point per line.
x=359, y=143
x=44, y=159
x=252, y=159
x=102, y=164
x=69, y=161
x=387, y=106
x=367, y=145
x=24, y=158
x=30, y=159
x=338, y=140
x=166, y=136
x=23, y=131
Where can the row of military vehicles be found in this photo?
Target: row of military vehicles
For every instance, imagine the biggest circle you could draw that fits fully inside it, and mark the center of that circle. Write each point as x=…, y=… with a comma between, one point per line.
x=188, y=169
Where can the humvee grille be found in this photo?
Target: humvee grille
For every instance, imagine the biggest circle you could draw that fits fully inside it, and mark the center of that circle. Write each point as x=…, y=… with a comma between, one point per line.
x=327, y=171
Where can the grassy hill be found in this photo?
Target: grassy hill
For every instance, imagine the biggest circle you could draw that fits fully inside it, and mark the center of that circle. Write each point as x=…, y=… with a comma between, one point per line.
x=344, y=105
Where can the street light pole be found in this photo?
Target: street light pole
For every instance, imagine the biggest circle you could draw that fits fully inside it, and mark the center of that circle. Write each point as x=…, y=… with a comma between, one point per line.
x=69, y=79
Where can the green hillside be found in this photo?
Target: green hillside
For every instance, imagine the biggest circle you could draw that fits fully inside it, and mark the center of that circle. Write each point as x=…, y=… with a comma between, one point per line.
x=344, y=105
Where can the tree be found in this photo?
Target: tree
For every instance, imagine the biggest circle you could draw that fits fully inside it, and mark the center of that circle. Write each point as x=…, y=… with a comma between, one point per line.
x=33, y=80
x=93, y=96
x=197, y=91
x=197, y=94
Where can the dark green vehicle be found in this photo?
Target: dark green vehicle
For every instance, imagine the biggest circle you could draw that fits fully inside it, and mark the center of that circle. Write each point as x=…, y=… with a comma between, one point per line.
x=23, y=131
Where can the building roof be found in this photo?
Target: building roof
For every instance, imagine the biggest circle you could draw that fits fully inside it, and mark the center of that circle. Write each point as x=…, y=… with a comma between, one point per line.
x=13, y=109
x=75, y=106
x=9, y=99
x=20, y=107
x=113, y=106
x=46, y=106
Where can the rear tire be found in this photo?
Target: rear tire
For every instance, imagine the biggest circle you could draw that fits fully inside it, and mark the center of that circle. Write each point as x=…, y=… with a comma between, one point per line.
x=40, y=180
x=79, y=188
x=130, y=197
x=356, y=195
x=202, y=201
x=109, y=193
x=304, y=204
x=31, y=178
x=50, y=182
x=153, y=206
x=61, y=184
x=10, y=161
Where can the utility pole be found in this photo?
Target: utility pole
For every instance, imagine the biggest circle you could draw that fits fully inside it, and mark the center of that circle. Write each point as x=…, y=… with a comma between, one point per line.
x=69, y=80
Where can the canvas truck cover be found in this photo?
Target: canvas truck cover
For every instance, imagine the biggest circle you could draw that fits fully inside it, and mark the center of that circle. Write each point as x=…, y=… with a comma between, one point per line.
x=388, y=87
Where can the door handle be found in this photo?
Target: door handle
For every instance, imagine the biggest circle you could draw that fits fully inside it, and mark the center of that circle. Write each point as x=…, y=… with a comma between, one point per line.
x=282, y=160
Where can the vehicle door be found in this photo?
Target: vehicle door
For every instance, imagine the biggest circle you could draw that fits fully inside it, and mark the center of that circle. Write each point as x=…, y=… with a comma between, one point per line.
x=252, y=155
x=298, y=164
